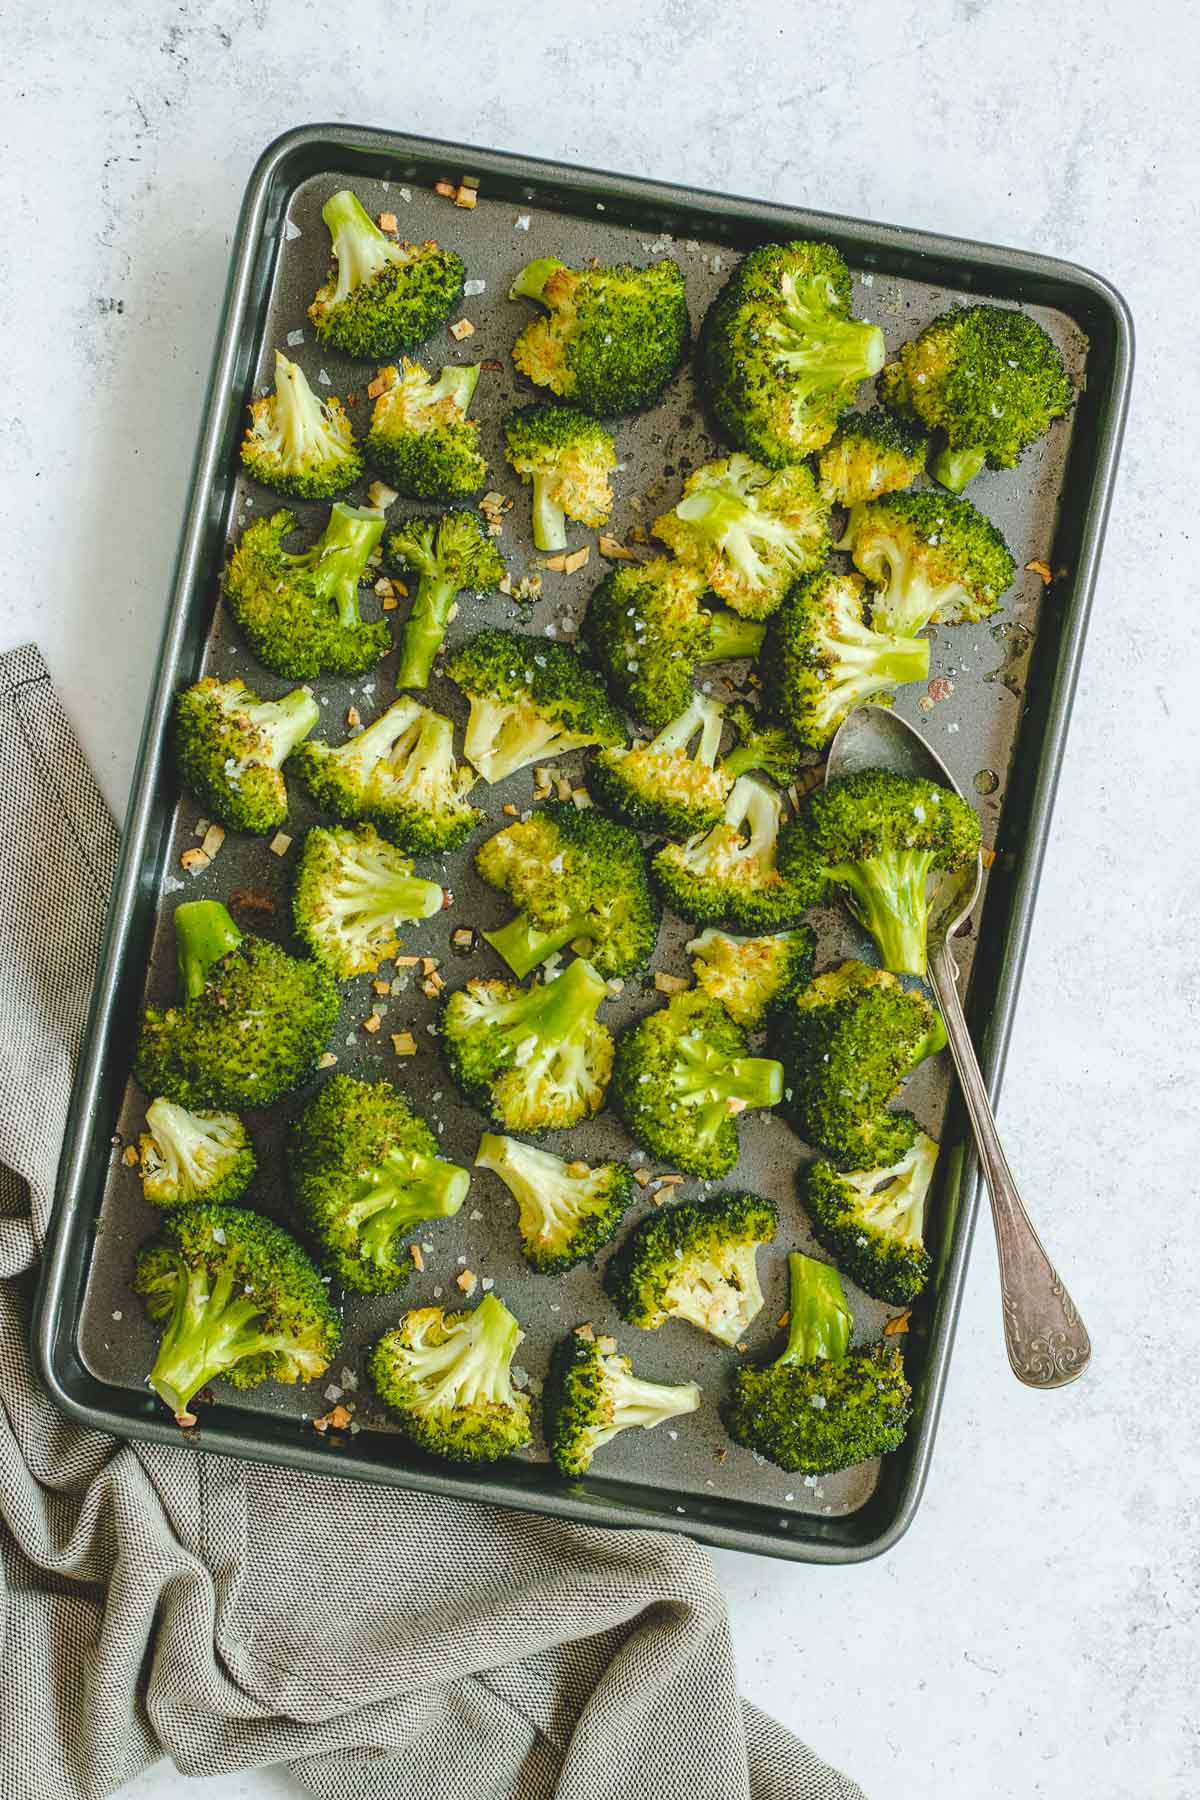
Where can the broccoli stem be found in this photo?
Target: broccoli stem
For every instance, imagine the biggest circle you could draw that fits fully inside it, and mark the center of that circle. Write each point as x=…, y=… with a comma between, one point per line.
x=204, y=932
x=830, y=351
x=359, y=247
x=285, y=723
x=887, y=895
x=533, y=278
x=731, y=636
x=549, y=520
x=402, y=1192
x=554, y=1009
x=456, y=382
x=954, y=468
x=208, y=1332
x=523, y=946
x=701, y=715
x=818, y=1317
x=339, y=557
x=645, y=1403
x=425, y=629
x=709, y=1081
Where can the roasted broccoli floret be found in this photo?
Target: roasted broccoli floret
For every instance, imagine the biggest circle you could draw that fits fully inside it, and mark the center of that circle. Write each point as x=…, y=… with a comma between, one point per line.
x=988, y=379
x=353, y=891
x=566, y=1210
x=187, y=1156
x=421, y=437
x=847, y=1042
x=873, y=453
x=299, y=610
x=400, y=774
x=761, y=745
x=230, y=747
x=365, y=1170
x=447, y=1377
x=873, y=1220
x=592, y=1394
x=611, y=338
x=782, y=357
x=820, y=1406
x=648, y=632
x=449, y=556
x=567, y=456
x=682, y=1078
x=577, y=878
x=937, y=559
x=752, y=976
x=750, y=531
x=661, y=785
x=530, y=700
x=534, y=1059
x=736, y=874
x=252, y=1024
x=822, y=659
x=875, y=838
x=238, y=1300
x=695, y=1261
x=298, y=443
x=381, y=296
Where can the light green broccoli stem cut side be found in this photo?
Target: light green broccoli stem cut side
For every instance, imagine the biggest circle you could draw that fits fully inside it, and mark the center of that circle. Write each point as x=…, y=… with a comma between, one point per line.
x=208, y=1333
x=640, y=1403
x=473, y=1364
x=830, y=351
x=701, y=715
x=425, y=630
x=708, y=1081
x=730, y=635
x=204, y=932
x=955, y=468
x=359, y=247
x=549, y=520
x=284, y=723
x=403, y=1192
x=523, y=946
x=888, y=895
x=340, y=556
x=456, y=382
x=533, y=278
x=818, y=1317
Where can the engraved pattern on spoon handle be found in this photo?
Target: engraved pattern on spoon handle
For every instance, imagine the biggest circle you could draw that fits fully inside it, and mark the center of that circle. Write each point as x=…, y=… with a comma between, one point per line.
x=1047, y=1341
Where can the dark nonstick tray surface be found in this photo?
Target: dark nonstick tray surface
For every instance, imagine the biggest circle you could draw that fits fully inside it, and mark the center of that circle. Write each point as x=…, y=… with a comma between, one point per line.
x=1000, y=727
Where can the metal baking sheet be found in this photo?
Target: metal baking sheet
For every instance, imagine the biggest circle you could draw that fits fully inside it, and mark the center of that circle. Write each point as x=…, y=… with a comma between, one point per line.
x=1000, y=728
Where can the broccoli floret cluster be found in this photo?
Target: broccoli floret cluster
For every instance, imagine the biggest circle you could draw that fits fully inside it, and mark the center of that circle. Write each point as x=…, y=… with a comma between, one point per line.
x=577, y=878
x=381, y=296
x=873, y=1220
x=188, y=1156
x=695, y=1261
x=365, y=1170
x=299, y=610
x=935, y=558
x=449, y=556
x=567, y=457
x=447, y=1379
x=872, y=453
x=230, y=748
x=737, y=873
x=421, y=437
x=592, y=1395
x=782, y=357
x=750, y=531
x=820, y=1406
x=752, y=976
x=298, y=443
x=353, y=890
x=566, y=1210
x=660, y=784
x=610, y=339
x=529, y=701
x=683, y=1078
x=252, y=1024
x=238, y=1300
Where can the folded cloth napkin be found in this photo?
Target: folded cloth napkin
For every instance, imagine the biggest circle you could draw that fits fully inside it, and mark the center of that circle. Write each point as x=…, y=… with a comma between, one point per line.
x=231, y=1615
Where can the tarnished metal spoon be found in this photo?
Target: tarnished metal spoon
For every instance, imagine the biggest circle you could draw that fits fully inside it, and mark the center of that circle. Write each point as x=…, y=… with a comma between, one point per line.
x=1047, y=1341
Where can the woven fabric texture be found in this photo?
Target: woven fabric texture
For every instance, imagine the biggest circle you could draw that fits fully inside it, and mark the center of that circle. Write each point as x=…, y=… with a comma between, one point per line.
x=385, y=1645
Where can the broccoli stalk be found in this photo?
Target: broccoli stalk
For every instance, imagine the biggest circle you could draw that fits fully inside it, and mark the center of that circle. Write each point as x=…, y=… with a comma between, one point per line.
x=339, y=558
x=566, y=1211
x=448, y=555
x=713, y=1086
x=819, y=1320
x=360, y=249
x=523, y=945
x=567, y=457
x=532, y=280
x=212, y=1327
x=204, y=933
x=298, y=443
x=888, y=895
x=403, y=1191
x=593, y=1394
x=447, y=1377
x=954, y=468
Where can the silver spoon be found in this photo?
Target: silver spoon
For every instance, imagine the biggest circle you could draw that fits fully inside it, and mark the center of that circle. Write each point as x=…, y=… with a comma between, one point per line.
x=1047, y=1341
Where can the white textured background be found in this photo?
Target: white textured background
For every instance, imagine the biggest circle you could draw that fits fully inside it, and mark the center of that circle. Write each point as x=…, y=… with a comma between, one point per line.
x=1036, y=1633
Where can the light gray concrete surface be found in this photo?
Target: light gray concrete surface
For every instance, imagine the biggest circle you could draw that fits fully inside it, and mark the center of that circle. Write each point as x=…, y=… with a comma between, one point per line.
x=1035, y=1634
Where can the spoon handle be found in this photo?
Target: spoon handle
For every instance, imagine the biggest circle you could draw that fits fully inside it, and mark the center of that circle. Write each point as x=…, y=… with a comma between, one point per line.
x=1047, y=1341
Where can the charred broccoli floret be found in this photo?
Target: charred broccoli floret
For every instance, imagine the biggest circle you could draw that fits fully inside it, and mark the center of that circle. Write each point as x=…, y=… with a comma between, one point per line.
x=937, y=559
x=592, y=1394
x=750, y=531
x=736, y=874
x=231, y=746
x=353, y=891
x=648, y=632
x=682, y=1078
x=534, y=1059
x=298, y=443
x=820, y=1406
x=695, y=1261
x=400, y=774
x=988, y=379
x=365, y=1170
x=782, y=357
x=577, y=878
x=529, y=700
x=566, y=1210
x=299, y=610
x=238, y=1300
x=381, y=296
x=421, y=437
x=567, y=456
x=611, y=338
x=872, y=453
x=822, y=659
x=875, y=838
x=252, y=1024
x=187, y=1156
x=447, y=1377
x=847, y=1042
x=752, y=976
x=660, y=785
x=873, y=1220
x=450, y=555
